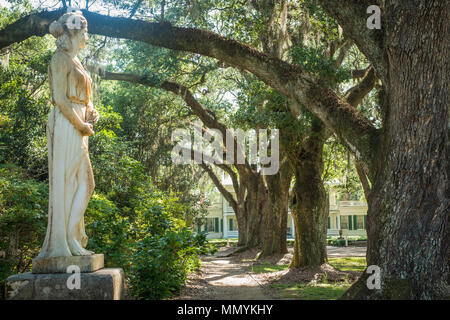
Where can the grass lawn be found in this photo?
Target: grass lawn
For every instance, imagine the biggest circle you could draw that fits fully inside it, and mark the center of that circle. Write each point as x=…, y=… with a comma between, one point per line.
x=313, y=291
x=348, y=263
x=268, y=267
x=343, y=264
x=319, y=291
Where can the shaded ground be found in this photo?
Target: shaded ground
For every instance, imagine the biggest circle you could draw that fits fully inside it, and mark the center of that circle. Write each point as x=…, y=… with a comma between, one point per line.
x=241, y=276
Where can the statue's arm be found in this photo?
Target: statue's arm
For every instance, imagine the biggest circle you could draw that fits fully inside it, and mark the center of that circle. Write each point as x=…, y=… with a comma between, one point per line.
x=60, y=70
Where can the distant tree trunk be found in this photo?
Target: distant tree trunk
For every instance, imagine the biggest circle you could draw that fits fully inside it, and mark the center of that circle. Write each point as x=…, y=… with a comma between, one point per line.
x=275, y=215
x=255, y=205
x=242, y=225
x=309, y=205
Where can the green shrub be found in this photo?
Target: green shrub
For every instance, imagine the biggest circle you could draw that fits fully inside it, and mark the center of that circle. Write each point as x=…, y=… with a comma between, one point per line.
x=23, y=220
x=338, y=242
x=161, y=263
x=108, y=232
x=151, y=243
x=150, y=240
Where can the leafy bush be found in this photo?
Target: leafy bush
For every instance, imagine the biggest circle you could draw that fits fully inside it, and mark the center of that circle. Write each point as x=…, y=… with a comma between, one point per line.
x=162, y=262
x=23, y=220
x=151, y=242
x=108, y=231
x=337, y=242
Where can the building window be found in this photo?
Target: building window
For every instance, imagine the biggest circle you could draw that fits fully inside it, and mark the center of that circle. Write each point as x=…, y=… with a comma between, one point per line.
x=210, y=225
x=360, y=222
x=232, y=224
x=344, y=222
x=353, y=222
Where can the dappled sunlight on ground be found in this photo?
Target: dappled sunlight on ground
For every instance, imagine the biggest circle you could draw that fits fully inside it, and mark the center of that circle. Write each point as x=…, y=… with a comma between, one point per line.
x=231, y=275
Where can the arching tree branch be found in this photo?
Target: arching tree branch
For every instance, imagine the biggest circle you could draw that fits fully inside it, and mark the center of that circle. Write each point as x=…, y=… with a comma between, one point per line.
x=354, y=130
x=208, y=119
x=203, y=114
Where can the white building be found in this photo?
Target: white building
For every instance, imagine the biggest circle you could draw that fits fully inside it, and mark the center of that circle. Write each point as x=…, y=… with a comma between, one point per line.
x=349, y=216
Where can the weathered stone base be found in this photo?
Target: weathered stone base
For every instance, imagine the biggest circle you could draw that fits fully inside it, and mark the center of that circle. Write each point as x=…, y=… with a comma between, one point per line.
x=104, y=284
x=60, y=264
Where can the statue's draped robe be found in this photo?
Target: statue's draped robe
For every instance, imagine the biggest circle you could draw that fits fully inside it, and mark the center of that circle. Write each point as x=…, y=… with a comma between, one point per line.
x=67, y=155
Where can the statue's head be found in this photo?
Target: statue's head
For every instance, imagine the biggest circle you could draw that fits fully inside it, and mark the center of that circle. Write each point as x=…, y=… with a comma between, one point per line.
x=70, y=31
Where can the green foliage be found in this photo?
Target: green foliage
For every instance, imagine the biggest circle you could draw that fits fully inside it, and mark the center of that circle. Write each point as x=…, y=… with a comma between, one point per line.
x=108, y=231
x=268, y=267
x=337, y=242
x=153, y=246
x=25, y=121
x=151, y=242
x=313, y=61
x=23, y=219
x=171, y=256
x=320, y=21
x=340, y=172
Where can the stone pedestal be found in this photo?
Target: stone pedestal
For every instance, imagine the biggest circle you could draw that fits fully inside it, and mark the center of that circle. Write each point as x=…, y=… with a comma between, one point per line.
x=61, y=264
x=104, y=284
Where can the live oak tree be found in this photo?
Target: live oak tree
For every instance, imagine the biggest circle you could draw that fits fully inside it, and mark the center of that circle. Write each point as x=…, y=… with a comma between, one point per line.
x=406, y=160
x=309, y=203
x=408, y=203
x=260, y=202
x=312, y=45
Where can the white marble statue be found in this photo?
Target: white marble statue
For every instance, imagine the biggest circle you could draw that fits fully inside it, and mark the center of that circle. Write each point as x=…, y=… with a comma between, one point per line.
x=69, y=125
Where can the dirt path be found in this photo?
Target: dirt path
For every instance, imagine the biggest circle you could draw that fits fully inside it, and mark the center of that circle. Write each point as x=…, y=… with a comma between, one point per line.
x=223, y=277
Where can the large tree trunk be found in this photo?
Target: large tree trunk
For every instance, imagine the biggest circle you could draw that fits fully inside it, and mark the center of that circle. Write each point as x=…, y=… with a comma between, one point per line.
x=255, y=204
x=408, y=217
x=275, y=215
x=309, y=202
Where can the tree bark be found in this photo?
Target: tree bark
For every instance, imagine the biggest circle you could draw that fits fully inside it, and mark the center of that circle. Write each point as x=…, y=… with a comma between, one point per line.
x=408, y=216
x=255, y=207
x=275, y=216
x=309, y=205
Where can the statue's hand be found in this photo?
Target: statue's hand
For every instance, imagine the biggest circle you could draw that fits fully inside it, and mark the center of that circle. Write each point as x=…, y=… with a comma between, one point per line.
x=93, y=116
x=86, y=129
